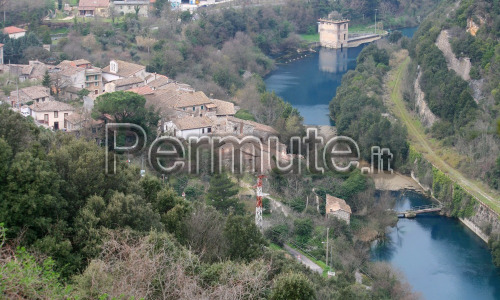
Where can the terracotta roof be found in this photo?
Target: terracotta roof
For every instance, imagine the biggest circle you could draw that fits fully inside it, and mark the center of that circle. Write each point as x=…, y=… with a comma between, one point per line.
x=52, y=106
x=127, y=81
x=125, y=69
x=186, y=123
x=81, y=61
x=159, y=82
x=35, y=92
x=93, y=3
x=187, y=99
x=163, y=99
x=143, y=90
x=224, y=107
x=334, y=204
x=12, y=30
x=257, y=126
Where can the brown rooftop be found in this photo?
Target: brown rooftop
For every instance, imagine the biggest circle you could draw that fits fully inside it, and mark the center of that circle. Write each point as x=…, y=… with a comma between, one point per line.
x=52, y=106
x=36, y=92
x=128, y=81
x=224, y=107
x=93, y=3
x=187, y=99
x=192, y=122
x=143, y=90
x=125, y=68
x=12, y=30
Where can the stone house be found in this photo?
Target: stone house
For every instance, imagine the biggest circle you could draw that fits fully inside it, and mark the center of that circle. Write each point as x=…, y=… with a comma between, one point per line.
x=188, y=126
x=338, y=208
x=123, y=84
x=118, y=69
x=35, y=94
x=92, y=8
x=124, y=7
x=78, y=74
x=52, y=114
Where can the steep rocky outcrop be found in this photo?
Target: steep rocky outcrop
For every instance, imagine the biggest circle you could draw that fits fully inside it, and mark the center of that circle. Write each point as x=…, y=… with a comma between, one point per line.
x=426, y=116
x=460, y=66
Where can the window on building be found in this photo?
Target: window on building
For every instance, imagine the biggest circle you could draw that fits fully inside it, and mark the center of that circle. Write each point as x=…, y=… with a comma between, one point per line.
x=96, y=92
x=209, y=129
x=203, y=130
x=87, y=84
x=344, y=36
x=97, y=83
x=194, y=108
x=202, y=107
x=56, y=114
x=95, y=77
x=345, y=26
x=87, y=78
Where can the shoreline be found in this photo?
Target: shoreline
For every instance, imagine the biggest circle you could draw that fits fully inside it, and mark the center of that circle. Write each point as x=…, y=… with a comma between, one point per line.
x=386, y=182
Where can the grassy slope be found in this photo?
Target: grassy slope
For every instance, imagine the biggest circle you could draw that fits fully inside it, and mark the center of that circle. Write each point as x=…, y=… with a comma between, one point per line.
x=442, y=158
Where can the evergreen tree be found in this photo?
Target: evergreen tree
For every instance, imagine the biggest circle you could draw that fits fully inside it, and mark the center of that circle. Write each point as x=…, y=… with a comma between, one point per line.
x=293, y=286
x=46, y=79
x=221, y=193
x=243, y=238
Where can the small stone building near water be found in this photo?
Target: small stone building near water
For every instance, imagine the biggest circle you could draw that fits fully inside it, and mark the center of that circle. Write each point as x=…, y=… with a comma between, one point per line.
x=338, y=208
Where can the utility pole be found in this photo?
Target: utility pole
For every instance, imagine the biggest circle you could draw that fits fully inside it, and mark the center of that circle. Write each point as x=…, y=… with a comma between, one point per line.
x=376, y=21
x=258, y=207
x=327, y=230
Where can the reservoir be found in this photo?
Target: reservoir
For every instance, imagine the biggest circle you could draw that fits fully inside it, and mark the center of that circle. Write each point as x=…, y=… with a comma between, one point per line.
x=440, y=257
x=310, y=83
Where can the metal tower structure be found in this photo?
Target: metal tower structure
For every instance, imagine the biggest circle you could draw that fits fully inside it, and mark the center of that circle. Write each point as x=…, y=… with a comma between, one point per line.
x=258, y=208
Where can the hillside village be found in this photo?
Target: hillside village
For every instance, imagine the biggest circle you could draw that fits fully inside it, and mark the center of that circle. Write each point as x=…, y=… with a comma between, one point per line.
x=183, y=111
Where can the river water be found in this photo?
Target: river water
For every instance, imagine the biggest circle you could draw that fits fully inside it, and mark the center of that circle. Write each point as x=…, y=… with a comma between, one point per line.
x=440, y=258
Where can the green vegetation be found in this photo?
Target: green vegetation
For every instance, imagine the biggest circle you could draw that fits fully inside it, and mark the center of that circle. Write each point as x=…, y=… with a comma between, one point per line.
x=292, y=286
x=363, y=88
x=244, y=115
x=310, y=38
x=127, y=107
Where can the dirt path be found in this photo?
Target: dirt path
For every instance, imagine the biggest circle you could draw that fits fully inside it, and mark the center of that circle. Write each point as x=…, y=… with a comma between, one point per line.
x=420, y=141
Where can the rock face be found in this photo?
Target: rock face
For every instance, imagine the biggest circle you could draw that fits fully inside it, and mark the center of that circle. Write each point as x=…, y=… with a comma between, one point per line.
x=484, y=217
x=460, y=66
x=426, y=116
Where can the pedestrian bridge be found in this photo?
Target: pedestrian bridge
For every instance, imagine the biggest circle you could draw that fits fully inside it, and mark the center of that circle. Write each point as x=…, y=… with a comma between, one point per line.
x=414, y=211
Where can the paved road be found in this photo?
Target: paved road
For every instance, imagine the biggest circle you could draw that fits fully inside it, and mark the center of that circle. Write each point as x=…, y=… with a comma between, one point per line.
x=303, y=259
x=419, y=138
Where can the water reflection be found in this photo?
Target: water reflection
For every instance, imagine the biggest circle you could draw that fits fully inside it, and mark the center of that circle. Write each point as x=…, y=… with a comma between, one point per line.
x=333, y=60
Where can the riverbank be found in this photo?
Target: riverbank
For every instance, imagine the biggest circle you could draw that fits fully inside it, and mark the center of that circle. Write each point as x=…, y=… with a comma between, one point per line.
x=395, y=182
x=463, y=199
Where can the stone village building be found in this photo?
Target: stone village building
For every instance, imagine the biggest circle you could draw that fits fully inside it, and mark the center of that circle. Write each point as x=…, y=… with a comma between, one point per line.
x=338, y=208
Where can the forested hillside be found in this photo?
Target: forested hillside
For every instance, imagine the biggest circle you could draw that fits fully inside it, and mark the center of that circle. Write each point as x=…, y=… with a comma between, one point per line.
x=67, y=230
x=467, y=103
x=358, y=108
